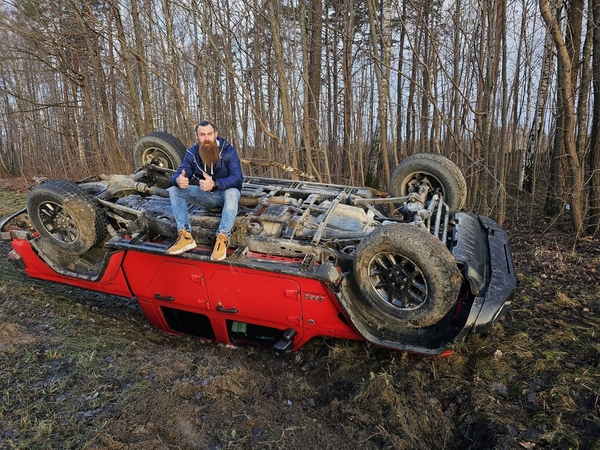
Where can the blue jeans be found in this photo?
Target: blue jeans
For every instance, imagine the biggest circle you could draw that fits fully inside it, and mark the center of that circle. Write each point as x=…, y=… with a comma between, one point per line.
x=227, y=199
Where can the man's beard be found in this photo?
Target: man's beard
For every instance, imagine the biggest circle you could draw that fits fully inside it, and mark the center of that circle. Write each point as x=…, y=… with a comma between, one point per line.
x=209, y=153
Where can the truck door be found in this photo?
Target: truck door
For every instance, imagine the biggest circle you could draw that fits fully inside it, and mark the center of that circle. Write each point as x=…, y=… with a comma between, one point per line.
x=256, y=307
x=177, y=292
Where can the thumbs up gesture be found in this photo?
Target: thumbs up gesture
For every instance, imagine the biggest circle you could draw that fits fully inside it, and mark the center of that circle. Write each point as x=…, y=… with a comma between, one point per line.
x=207, y=183
x=182, y=180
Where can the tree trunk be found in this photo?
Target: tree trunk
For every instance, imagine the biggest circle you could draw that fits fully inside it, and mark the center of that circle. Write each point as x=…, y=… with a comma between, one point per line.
x=567, y=110
x=456, y=94
x=594, y=156
x=315, y=14
x=133, y=98
x=424, y=119
x=490, y=59
x=526, y=173
x=310, y=131
x=147, y=125
x=286, y=107
x=503, y=131
x=380, y=36
x=583, y=98
x=401, y=152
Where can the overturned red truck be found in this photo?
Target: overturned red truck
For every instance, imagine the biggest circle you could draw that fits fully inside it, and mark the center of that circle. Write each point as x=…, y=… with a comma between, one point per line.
x=412, y=271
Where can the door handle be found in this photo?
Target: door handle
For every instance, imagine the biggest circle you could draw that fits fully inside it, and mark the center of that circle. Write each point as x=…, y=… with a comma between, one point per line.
x=220, y=308
x=168, y=298
x=292, y=293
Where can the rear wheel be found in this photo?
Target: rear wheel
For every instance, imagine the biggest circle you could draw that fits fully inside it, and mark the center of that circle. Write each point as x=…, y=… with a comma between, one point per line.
x=159, y=148
x=406, y=274
x=437, y=172
x=66, y=216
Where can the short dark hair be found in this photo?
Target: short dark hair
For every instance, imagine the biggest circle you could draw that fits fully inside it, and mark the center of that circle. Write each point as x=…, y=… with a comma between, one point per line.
x=205, y=123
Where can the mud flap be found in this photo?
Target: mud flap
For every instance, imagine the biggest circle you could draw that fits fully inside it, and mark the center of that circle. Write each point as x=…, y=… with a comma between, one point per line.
x=286, y=342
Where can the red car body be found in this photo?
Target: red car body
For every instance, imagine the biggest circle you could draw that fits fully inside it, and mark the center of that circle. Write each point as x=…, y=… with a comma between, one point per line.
x=307, y=259
x=210, y=300
x=235, y=304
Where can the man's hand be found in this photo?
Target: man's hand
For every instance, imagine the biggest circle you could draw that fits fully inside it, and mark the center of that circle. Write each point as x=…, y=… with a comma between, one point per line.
x=207, y=184
x=182, y=180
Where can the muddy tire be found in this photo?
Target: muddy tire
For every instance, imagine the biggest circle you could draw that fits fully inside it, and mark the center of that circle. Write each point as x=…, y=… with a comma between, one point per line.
x=66, y=216
x=441, y=173
x=159, y=148
x=406, y=274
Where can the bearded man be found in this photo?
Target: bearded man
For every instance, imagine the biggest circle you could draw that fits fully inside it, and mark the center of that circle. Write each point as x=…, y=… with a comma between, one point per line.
x=214, y=162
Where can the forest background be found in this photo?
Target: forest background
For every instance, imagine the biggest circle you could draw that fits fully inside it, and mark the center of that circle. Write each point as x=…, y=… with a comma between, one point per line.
x=338, y=89
x=341, y=90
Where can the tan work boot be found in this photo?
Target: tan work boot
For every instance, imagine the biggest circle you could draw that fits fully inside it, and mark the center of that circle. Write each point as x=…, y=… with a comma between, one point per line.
x=184, y=242
x=220, y=251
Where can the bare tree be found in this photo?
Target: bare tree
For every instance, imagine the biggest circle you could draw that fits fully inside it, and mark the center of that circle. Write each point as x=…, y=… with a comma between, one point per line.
x=594, y=155
x=283, y=85
x=566, y=105
x=502, y=151
x=526, y=179
x=380, y=42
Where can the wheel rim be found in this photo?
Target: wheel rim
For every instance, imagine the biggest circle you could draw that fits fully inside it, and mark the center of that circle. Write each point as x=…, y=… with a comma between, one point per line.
x=423, y=177
x=398, y=281
x=162, y=158
x=58, y=222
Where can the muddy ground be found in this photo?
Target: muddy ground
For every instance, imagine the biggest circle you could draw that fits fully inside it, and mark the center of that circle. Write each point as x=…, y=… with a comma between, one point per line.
x=82, y=370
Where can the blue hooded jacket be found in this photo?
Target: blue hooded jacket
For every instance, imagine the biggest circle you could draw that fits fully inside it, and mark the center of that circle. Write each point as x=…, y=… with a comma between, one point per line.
x=226, y=173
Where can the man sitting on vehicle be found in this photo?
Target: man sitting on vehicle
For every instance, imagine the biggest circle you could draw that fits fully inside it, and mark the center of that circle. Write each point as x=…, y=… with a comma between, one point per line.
x=216, y=164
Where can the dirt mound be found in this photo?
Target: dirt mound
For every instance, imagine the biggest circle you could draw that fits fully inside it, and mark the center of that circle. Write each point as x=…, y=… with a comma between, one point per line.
x=12, y=338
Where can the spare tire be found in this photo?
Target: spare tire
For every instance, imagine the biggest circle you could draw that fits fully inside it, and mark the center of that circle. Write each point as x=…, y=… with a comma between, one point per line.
x=406, y=274
x=159, y=148
x=66, y=216
x=440, y=173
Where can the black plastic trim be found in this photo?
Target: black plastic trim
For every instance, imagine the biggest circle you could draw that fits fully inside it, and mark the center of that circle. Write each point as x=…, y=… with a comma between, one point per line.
x=503, y=284
x=469, y=250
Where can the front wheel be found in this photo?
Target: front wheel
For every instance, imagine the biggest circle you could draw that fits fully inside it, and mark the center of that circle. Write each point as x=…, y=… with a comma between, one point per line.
x=407, y=274
x=66, y=216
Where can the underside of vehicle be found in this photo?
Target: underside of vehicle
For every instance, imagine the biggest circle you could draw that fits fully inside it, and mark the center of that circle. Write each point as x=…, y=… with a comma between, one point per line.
x=410, y=271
